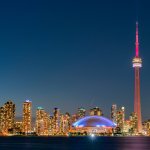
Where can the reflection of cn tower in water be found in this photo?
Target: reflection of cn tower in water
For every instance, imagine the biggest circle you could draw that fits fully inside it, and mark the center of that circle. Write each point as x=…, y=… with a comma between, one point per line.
x=137, y=64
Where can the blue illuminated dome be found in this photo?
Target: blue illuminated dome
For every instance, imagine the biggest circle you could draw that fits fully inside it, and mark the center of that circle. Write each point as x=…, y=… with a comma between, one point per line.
x=94, y=121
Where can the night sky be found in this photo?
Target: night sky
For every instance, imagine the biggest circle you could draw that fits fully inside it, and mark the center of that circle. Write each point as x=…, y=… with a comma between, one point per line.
x=73, y=53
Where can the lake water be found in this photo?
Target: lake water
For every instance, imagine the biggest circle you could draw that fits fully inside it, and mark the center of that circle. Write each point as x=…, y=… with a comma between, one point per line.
x=75, y=143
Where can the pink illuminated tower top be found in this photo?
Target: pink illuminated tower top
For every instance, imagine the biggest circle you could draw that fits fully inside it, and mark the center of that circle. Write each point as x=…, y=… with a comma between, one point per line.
x=137, y=41
x=137, y=61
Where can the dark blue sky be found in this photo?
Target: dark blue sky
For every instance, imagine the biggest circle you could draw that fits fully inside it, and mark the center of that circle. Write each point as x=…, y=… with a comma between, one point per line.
x=72, y=53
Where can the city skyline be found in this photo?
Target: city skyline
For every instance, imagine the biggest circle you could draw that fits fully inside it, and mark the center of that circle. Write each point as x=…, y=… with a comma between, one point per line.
x=83, y=122
x=78, y=55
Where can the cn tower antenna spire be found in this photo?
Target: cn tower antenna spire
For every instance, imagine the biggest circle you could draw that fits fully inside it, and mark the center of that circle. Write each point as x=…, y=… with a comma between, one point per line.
x=137, y=41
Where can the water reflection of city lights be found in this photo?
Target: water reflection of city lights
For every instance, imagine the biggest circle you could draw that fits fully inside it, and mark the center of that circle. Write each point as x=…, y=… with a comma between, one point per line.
x=92, y=135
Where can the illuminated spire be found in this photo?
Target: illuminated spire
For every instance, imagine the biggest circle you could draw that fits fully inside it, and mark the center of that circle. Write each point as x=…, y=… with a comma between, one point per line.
x=137, y=41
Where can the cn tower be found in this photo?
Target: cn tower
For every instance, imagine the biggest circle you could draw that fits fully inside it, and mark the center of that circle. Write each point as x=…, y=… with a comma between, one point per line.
x=137, y=64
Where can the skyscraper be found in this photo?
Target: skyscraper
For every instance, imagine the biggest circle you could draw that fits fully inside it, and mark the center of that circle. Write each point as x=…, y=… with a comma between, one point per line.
x=137, y=64
x=7, y=117
x=27, y=116
x=56, y=120
x=113, y=112
x=65, y=124
x=120, y=118
x=133, y=122
x=42, y=121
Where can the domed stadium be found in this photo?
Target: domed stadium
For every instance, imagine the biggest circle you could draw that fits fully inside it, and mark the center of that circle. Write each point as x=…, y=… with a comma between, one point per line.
x=94, y=124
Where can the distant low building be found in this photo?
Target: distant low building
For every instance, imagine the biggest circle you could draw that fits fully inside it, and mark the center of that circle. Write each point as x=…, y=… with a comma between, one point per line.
x=18, y=127
x=96, y=111
x=146, y=127
x=81, y=112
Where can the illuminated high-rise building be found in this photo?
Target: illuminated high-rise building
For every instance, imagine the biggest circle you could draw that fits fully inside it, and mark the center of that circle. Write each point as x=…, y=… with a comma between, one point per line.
x=81, y=112
x=51, y=130
x=96, y=112
x=120, y=118
x=146, y=127
x=137, y=64
x=7, y=117
x=56, y=121
x=127, y=126
x=133, y=122
x=2, y=119
x=113, y=112
x=27, y=116
x=62, y=124
x=68, y=121
x=65, y=124
x=42, y=121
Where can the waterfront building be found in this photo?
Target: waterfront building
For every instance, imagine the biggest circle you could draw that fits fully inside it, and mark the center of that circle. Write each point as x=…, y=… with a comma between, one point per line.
x=137, y=64
x=65, y=124
x=146, y=127
x=42, y=122
x=7, y=118
x=27, y=116
x=18, y=127
x=127, y=126
x=133, y=123
x=51, y=130
x=96, y=112
x=62, y=124
x=81, y=112
x=114, y=113
x=56, y=121
x=68, y=121
x=2, y=119
x=120, y=118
